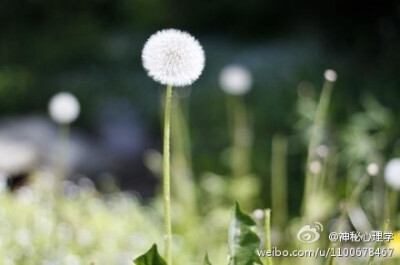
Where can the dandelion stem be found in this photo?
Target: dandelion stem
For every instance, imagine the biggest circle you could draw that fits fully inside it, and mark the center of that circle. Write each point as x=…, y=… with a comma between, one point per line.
x=64, y=133
x=279, y=180
x=391, y=204
x=241, y=138
x=315, y=139
x=166, y=176
x=268, y=235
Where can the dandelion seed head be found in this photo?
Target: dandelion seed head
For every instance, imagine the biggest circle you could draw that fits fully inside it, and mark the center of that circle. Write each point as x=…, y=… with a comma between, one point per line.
x=315, y=167
x=373, y=169
x=173, y=57
x=258, y=214
x=392, y=173
x=330, y=75
x=64, y=108
x=235, y=79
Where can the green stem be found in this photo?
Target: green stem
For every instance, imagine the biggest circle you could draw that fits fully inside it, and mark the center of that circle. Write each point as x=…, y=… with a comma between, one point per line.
x=279, y=180
x=358, y=190
x=378, y=244
x=391, y=204
x=166, y=176
x=183, y=186
x=62, y=166
x=241, y=139
x=268, y=235
x=352, y=200
x=316, y=137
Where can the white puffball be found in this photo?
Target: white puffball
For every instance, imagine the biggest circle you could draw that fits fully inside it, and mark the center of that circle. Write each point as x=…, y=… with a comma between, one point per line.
x=373, y=169
x=64, y=108
x=259, y=214
x=315, y=167
x=330, y=75
x=173, y=57
x=392, y=173
x=235, y=79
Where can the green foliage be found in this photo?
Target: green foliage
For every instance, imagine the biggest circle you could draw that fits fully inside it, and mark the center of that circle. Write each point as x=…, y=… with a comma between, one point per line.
x=243, y=241
x=206, y=260
x=82, y=228
x=151, y=257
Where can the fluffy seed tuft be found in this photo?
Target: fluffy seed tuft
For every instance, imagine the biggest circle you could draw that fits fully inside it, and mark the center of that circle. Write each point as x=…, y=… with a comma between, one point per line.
x=173, y=57
x=64, y=108
x=392, y=173
x=330, y=75
x=235, y=79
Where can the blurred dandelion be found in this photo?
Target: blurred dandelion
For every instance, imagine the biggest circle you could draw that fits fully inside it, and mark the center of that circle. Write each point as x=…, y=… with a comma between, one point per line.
x=392, y=179
x=317, y=133
x=235, y=79
x=330, y=75
x=392, y=173
x=64, y=108
x=173, y=58
x=315, y=167
x=373, y=169
x=259, y=214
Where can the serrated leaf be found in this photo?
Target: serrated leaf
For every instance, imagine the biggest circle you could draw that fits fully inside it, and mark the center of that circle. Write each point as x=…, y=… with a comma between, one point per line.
x=206, y=260
x=151, y=257
x=243, y=242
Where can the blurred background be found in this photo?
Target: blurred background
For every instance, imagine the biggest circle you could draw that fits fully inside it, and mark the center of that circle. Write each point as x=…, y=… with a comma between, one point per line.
x=92, y=48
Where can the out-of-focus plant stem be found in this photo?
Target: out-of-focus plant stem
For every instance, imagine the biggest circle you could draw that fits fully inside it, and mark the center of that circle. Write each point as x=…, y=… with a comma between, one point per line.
x=268, y=235
x=183, y=183
x=61, y=172
x=242, y=138
x=279, y=180
x=331, y=168
x=391, y=204
x=167, y=177
x=243, y=185
x=360, y=187
x=64, y=134
x=353, y=198
x=378, y=244
x=311, y=179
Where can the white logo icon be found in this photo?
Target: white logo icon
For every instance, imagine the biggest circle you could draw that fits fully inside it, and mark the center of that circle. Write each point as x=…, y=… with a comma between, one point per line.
x=310, y=233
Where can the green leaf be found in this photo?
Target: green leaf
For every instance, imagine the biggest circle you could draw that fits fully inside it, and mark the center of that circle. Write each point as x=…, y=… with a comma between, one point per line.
x=151, y=257
x=206, y=260
x=243, y=242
